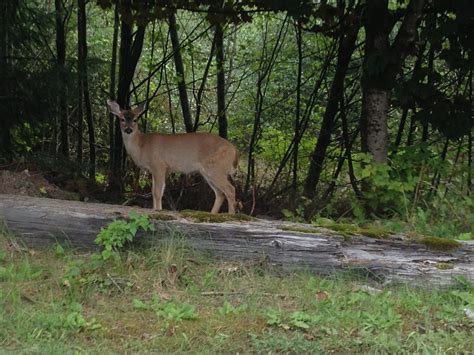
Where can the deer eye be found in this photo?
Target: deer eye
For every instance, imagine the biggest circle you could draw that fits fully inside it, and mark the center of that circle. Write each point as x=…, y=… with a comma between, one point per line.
x=135, y=120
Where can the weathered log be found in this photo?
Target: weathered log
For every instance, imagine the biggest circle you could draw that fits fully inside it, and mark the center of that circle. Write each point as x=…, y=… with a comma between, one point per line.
x=42, y=222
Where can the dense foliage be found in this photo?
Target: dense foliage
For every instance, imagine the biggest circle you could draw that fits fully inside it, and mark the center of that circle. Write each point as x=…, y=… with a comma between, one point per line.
x=337, y=107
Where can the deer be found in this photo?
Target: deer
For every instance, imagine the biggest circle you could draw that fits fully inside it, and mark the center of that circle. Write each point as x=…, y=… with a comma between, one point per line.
x=215, y=158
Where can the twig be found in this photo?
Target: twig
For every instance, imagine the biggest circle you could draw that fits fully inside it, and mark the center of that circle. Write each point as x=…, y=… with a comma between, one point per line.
x=115, y=283
x=224, y=293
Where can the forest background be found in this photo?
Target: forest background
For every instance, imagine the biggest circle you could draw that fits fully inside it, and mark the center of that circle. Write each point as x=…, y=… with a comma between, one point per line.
x=340, y=109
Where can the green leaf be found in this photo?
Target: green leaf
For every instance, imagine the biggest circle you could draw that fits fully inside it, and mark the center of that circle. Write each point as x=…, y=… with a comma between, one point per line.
x=137, y=304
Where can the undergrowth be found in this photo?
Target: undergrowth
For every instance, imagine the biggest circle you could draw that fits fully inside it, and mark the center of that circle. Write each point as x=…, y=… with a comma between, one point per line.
x=172, y=299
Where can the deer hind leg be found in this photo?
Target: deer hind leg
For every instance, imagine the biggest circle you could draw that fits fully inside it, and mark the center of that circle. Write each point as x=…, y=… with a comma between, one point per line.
x=219, y=194
x=157, y=189
x=221, y=183
x=219, y=199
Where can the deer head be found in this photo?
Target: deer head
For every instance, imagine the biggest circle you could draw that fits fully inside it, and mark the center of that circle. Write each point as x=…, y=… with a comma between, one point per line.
x=128, y=118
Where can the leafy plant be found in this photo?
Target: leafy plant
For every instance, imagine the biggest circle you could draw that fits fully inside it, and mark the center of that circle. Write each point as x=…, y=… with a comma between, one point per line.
x=170, y=311
x=228, y=308
x=119, y=232
x=75, y=320
x=303, y=320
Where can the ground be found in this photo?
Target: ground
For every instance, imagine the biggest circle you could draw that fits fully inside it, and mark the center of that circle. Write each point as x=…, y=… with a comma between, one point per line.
x=28, y=183
x=172, y=299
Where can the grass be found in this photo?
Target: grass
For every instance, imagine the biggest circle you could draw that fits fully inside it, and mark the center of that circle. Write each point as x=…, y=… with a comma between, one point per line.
x=171, y=299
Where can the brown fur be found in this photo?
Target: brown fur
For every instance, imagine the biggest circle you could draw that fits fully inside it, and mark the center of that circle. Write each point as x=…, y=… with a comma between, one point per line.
x=212, y=156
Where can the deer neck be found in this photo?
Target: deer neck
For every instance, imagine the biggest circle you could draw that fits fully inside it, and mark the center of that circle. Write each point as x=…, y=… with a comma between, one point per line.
x=134, y=144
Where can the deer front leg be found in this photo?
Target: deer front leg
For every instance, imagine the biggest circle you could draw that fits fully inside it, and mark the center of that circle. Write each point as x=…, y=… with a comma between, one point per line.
x=157, y=189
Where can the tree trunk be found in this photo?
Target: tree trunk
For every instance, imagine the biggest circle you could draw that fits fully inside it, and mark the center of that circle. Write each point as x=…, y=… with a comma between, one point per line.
x=382, y=62
x=43, y=222
x=346, y=48
x=374, y=129
x=113, y=70
x=264, y=72
x=221, y=87
x=130, y=50
x=178, y=61
x=297, y=121
x=80, y=85
x=84, y=83
x=202, y=86
x=61, y=61
x=469, y=140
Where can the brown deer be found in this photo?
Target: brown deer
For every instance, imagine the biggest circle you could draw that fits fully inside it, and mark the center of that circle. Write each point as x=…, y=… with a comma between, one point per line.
x=212, y=156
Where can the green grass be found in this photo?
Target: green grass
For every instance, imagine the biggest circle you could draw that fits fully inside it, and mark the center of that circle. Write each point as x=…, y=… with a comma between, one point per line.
x=171, y=299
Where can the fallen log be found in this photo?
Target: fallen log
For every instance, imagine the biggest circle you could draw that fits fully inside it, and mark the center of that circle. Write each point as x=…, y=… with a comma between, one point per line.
x=39, y=222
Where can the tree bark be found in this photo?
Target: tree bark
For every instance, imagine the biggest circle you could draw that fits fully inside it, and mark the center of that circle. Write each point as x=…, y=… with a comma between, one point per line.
x=374, y=129
x=297, y=121
x=263, y=74
x=80, y=93
x=221, y=87
x=84, y=83
x=131, y=46
x=469, y=140
x=202, y=86
x=113, y=70
x=178, y=61
x=41, y=222
x=346, y=48
x=61, y=19
x=382, y=62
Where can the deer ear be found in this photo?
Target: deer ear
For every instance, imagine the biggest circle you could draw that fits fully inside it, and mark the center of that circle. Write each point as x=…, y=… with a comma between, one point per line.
x=137, y=111
x=114, y=107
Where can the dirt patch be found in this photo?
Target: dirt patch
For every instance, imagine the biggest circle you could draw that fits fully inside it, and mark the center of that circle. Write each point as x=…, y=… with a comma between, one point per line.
x=31, y=184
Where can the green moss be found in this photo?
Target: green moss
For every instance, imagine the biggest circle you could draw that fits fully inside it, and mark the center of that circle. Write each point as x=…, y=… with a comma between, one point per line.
x=346, y=236
x=343, y=227
x=436, y=243
x=350, y=230
x=159, y=216
x=374, y=232
x=301, y=229
x=200, y=216
x=443, y=266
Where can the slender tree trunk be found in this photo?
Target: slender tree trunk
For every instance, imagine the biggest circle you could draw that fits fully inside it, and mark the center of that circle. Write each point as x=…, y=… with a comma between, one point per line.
x=82, y=58
x=401, y=126
x=130, y=50
x=170, y=102
x=411, y=130
x=469, y=141
x=437, y=175
x=113, y=70
x=406, y=108
x=221, y=87
x=297, y=122
x=456, y=159
x=178, y=61
x=262, y=81
x=7, y=10
x=346, y=48
x=469, y=164
x=202, y=86
x=348, y=146
x=61, y=61
x=80, y=82
x=147, y=93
